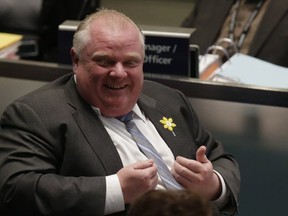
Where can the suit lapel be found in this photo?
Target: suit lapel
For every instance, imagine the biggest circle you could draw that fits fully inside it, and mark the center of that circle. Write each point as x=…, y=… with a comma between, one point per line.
x=270, y=20
x=155, y=112
x=99, y=140
x=93, y=131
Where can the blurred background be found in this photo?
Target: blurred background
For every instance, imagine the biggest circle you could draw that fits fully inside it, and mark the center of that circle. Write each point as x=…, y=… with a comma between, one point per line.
x=255, y=134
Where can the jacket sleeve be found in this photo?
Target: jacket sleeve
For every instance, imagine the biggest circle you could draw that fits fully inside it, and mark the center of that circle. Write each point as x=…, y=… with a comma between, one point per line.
x=30, y=162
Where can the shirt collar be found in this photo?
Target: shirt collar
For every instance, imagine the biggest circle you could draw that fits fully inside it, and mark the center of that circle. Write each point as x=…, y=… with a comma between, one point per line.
x=135, y=109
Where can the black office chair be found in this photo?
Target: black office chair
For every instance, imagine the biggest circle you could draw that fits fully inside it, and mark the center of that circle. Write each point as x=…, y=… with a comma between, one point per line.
x=55, y=12
x=40, y=40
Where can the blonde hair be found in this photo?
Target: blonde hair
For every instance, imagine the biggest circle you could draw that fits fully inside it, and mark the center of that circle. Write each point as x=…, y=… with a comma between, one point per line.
x=112, y=18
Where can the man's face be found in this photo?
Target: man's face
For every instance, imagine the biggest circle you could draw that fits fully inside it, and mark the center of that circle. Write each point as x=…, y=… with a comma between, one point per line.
x=109, y=70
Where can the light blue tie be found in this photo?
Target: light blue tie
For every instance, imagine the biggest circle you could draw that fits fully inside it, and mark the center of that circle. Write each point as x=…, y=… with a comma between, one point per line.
x=148, y=149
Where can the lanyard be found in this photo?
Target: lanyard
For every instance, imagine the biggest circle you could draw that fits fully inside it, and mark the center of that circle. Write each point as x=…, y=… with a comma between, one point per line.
x=247, y=25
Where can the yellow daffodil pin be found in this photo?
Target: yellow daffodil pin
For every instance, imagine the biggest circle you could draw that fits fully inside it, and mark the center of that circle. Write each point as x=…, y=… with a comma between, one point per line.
x=168, y=124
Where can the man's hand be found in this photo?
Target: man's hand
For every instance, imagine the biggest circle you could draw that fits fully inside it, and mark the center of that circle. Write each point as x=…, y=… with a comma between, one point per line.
x=198, y=175
x=137, y=178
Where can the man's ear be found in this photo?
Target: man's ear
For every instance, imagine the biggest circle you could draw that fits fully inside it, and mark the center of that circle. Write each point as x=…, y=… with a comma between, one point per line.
x=74, y=57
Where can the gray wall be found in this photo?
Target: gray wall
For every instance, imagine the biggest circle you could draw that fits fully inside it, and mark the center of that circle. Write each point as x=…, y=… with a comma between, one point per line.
x=12, y=88
x=257, y=136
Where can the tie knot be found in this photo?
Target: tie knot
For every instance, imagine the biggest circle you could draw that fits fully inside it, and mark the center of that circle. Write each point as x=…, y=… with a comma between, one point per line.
x=126, y=118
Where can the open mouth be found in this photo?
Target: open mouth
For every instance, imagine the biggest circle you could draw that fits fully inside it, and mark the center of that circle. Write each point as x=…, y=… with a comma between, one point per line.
x=115, y=87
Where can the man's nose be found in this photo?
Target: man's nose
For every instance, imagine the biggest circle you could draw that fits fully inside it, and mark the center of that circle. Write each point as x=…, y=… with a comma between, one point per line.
x=118, y=70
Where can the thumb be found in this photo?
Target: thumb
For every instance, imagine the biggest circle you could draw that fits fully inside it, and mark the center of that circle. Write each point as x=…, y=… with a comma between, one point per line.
x=200, y=155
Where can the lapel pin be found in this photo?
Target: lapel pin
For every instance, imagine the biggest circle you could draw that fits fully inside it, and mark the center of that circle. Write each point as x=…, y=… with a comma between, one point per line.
x=168, y=124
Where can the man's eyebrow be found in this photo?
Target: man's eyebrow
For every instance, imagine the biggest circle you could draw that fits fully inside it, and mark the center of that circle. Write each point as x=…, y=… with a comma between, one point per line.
x=133, y=55
x=100, y=54
x=105, y=54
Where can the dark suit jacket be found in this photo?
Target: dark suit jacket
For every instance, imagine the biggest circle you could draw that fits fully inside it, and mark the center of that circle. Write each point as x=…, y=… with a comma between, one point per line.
x=55, y=152
x=271, y=39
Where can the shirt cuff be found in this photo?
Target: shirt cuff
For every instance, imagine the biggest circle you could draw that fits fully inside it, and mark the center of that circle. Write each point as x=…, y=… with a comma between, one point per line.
x=114, y=197
x=221, y=201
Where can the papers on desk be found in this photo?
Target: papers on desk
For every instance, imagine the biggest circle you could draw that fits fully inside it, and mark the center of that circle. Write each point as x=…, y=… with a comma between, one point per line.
x=208, y=63
x=9, y=44
x=241, y=68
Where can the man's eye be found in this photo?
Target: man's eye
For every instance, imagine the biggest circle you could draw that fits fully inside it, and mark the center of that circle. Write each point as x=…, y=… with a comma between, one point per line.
x=103, y=62
x=131, y=64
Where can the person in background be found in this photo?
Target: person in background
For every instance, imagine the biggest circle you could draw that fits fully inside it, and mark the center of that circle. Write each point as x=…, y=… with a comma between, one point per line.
x=257, y=27
x=68, y=148
x=171, y=203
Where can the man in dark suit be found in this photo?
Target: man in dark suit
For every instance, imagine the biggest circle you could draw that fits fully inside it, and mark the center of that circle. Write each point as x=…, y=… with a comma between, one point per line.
x=267, y=38
x=63, y=150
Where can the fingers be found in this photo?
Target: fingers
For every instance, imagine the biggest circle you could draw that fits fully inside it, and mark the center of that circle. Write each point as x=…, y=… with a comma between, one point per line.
x=197, y=176
x=201, y=156
x=137, y=178
x=193, y=172
x=191, y=165
x=186, y=171
x=143, y=164
x=147, y=170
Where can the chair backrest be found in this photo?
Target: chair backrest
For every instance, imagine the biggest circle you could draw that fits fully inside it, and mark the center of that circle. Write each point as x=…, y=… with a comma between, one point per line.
x=38, y=21
x=21, y=17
